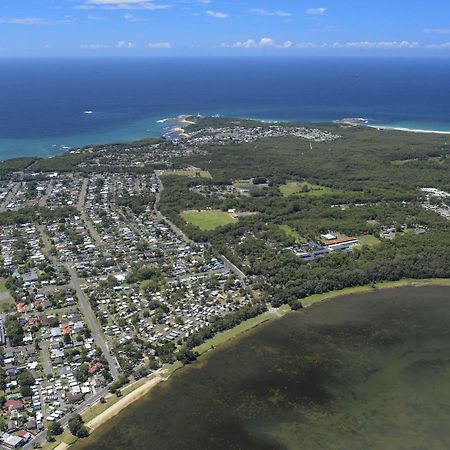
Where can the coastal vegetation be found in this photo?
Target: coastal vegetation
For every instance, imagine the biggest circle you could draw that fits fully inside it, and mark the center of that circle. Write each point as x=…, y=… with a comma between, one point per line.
x=14, y=164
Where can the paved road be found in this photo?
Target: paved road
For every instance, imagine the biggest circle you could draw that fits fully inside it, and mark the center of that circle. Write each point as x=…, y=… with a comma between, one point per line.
x=232, y=268
x=44, y=198
x=92, y=323
x=82, y=196
x=86, y=309
x=80, y=206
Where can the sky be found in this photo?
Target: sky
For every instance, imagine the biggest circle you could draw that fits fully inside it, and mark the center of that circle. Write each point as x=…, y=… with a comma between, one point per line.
x=224, y=27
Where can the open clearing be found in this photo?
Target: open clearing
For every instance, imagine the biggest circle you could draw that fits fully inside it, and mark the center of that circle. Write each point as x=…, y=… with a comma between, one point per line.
x=192, y=173
x=292, y=234
x=368, y=240
x=304, y=188
x=208, y=219
x=6, y=301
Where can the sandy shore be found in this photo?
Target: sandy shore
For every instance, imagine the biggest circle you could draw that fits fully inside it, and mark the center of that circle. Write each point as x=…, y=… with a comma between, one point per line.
x=62, y=446
x=180, y=131
x=181, y=119
x=185, y=121
x=123, y=403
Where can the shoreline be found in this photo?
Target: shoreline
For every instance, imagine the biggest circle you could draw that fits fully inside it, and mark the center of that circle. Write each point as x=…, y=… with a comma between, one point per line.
x=239, y=331
x=125, y=401
x=409, y=130
x=47, y=148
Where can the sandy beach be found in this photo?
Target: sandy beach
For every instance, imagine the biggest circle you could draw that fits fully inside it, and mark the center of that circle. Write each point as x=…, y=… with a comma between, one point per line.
x=123, y=403
x=184, y=120
x=180, y=119
x=62, y=446
x=180, y=131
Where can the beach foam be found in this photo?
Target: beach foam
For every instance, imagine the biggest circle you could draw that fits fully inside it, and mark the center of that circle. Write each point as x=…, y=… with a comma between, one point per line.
x=411, y=130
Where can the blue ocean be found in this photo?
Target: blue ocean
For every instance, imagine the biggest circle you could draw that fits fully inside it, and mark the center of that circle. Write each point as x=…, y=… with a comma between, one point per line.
x=48, y=105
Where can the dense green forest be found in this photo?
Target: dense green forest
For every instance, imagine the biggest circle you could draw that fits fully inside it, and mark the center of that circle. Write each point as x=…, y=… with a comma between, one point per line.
x=373, y=180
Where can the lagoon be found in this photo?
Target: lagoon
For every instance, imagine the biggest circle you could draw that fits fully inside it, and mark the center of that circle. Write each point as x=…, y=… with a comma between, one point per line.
x=365, y=371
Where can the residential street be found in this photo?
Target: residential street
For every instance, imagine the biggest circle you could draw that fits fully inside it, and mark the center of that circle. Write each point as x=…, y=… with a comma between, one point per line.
x=97, y=333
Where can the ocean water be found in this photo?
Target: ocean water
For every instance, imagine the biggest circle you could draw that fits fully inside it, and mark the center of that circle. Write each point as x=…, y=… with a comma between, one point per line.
x=44, y=102
x=367, y=371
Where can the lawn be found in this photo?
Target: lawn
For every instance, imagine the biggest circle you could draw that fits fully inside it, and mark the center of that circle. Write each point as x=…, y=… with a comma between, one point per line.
x=208, y=219
x=304, y=188
x=292, y=234
x=192, y=173
x=6, y=301
x=368, y=240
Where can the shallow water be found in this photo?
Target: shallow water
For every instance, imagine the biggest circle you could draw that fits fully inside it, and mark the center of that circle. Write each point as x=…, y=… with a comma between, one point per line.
x=369, y=371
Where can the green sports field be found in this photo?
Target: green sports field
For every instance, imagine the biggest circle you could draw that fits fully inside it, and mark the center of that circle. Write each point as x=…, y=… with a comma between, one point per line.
x=208, y=219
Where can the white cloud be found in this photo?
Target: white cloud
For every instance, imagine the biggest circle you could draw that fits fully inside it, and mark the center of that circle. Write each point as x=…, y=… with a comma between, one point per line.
x=94, y=17
x=264, y=42
x=306, y=45
x=316, y=11
x=130, y=17
x=33, y=21
x=125, y=45
x=159, y=45
x=269, y=43
x=437, y=30
x=250, y=43
x=264, y=12
x=217, y=14
x=94, y=46
x=122, y=4
x=442, y=45
x=287, y=44
x=382, y=44
x=22, y=20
